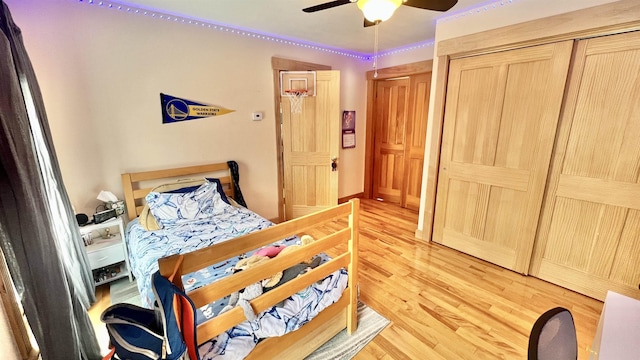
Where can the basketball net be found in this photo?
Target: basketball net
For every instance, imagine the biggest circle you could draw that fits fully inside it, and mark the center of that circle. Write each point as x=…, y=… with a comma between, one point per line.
x=296, y=98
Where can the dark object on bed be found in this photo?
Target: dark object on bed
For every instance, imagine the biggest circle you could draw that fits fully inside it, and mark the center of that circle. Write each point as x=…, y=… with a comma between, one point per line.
x=295, y=271
x=235, y=174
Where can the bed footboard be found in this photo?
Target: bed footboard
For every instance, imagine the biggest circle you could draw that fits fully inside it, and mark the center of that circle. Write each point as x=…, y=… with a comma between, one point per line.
x=338, y=227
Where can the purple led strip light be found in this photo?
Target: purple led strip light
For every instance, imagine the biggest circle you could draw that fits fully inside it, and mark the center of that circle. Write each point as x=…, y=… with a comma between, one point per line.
x=214, y=26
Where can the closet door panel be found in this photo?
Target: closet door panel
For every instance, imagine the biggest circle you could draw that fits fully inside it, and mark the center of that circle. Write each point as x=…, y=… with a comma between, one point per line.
x=500, y=122
x=475, y=140
x=588, y=238
x=420, y=91
x=626, y=267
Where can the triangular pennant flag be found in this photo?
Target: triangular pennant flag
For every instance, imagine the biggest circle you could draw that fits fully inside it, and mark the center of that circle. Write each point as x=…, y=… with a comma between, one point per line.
x=176, y=109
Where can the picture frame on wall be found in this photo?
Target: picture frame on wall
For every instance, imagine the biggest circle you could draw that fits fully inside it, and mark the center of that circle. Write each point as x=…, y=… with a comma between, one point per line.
x=348, y=129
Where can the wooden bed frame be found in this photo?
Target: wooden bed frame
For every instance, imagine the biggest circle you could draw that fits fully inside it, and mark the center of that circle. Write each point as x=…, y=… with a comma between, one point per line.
x=341, y=244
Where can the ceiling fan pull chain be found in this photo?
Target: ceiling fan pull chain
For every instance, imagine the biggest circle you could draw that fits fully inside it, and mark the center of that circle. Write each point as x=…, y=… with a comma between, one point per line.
x=375, y=51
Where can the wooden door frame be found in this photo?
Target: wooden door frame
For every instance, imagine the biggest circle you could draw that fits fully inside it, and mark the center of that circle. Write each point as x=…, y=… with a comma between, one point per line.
x=383, y=74
x=608, y=19
x=282, y=64
x=16, y=320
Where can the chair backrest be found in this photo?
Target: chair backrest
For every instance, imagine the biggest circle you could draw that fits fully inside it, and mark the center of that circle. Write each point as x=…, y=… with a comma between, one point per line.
x=553, y=336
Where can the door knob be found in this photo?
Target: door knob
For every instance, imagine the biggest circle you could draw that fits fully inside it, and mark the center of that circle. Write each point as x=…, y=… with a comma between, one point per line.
x=334, y=164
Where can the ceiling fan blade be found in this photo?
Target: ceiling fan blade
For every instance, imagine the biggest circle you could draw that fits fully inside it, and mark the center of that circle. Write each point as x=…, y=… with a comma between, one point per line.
x=368, y=23
x=326, y=5
x=436, y=5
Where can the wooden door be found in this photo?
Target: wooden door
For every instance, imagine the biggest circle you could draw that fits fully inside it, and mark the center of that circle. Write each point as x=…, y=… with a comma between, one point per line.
x=420, y=89
x=400, y=118
x=390, y=117
x=589, y=234
x=310, y=142
x=500, y=123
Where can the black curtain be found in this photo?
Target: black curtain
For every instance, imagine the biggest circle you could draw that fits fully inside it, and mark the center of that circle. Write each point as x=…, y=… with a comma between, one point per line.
x=38, y=234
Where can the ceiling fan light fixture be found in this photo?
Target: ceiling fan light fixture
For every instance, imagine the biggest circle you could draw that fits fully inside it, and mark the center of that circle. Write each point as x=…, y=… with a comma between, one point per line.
x=378, y=10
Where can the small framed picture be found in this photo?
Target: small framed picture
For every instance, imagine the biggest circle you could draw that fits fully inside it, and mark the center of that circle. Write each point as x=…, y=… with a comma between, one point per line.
x=348, y=120
x=348, y=139
x=348, y=129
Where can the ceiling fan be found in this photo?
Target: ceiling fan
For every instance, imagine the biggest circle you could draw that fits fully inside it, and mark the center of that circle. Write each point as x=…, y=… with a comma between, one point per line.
x=376, y=11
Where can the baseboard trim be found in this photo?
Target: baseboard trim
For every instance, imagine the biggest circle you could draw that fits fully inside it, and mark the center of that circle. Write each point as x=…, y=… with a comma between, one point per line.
x=343, y=200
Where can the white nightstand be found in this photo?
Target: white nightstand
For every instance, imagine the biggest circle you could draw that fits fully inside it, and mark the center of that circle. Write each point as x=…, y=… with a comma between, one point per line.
x=107, y=256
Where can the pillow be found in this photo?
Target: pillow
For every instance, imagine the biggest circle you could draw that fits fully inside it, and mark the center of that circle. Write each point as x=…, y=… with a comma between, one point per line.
x=187, y=189
x=146, y=219
x=193, y=188
x=170, y=209
x=220, y=189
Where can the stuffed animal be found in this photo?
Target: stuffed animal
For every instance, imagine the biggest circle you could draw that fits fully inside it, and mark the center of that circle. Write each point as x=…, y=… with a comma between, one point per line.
x=243, y=297
x=253, y=260
x=304, y=240
x=270, y=251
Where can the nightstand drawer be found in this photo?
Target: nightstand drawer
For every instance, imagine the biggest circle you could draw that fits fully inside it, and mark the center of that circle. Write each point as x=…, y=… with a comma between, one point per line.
x=106, y=255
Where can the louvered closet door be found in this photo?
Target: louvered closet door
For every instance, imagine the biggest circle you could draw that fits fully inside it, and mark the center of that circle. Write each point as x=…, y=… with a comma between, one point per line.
x=589, y=237
x=500, y=122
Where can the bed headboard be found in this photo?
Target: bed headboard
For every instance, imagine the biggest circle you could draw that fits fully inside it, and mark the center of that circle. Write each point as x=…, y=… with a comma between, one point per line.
x=136, y=185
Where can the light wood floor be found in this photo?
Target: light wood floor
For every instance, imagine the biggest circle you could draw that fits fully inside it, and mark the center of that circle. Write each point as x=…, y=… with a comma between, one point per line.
x=443, y=304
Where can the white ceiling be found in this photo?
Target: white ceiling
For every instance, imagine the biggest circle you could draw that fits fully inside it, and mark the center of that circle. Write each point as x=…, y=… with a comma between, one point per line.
x=340, y=27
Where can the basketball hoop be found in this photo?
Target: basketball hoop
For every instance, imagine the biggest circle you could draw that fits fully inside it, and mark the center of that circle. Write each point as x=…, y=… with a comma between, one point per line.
x=296, y=98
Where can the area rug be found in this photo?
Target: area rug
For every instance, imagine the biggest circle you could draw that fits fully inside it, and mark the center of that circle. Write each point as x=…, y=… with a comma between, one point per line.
x=345, y=346
x=341, y=346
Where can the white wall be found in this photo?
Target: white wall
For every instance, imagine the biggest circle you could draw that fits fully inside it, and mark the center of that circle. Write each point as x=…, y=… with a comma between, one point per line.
x=406, y=57
x=510, y=13
x=101, y=71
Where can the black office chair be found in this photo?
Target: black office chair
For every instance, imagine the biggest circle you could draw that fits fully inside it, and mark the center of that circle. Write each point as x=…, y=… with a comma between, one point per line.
x=553, y=336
